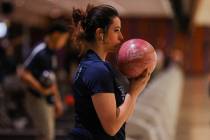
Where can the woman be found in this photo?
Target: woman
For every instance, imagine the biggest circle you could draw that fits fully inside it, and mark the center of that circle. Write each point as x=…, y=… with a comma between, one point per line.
x=101, y=107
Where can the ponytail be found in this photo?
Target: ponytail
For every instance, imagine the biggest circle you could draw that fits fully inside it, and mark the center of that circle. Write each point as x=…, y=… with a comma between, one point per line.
x=79, y=26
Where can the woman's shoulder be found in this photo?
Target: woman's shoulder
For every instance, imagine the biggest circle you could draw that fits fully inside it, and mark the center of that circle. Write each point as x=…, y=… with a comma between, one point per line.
x=97, y=67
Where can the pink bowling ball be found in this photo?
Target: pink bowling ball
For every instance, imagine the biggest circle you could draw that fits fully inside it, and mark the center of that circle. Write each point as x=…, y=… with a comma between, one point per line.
x=136, y=55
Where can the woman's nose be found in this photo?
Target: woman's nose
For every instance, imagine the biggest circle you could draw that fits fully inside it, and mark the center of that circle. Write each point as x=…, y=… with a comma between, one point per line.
x=121, y=37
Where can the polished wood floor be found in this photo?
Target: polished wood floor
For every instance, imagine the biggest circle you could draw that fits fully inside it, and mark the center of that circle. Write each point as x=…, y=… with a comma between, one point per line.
x=194, y=116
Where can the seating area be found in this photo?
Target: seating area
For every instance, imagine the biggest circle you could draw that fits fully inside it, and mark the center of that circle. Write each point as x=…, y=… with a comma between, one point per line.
x=156, y=114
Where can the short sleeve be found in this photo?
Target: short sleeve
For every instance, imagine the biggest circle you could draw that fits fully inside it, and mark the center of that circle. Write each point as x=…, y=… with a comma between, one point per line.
x=98, y=79
x=30, y=62
x=39, y=61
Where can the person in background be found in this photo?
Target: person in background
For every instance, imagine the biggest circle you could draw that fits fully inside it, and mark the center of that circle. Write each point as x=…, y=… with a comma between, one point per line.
x=43, y=101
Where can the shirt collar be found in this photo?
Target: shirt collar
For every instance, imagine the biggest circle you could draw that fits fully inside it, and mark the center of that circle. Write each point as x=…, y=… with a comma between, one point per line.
x=91, y=55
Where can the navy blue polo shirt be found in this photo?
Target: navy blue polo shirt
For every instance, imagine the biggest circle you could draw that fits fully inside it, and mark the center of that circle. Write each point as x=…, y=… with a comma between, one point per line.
x=41, y=59
x=94, y=76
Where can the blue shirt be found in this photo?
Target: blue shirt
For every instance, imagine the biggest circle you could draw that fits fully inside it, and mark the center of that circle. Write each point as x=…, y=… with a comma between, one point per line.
x=94, y=76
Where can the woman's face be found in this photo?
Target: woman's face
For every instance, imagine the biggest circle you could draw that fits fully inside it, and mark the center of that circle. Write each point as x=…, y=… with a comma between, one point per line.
x=113, y=38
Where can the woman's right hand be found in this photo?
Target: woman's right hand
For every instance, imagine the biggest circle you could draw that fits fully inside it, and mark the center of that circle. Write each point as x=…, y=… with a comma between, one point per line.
x=138, y=84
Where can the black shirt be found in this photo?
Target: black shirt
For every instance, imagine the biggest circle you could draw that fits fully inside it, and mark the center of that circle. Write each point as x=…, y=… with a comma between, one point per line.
x=94, y=76
x=40, y=60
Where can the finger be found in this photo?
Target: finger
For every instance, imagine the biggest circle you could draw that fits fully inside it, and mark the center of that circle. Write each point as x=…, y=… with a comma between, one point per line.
x=143, y=74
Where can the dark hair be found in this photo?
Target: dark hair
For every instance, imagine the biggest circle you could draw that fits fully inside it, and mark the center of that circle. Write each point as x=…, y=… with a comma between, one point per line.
x=86, y=23
x=57, y=26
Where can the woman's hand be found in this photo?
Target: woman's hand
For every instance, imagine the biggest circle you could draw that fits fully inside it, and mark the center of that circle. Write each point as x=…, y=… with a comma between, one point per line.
x=138, y=84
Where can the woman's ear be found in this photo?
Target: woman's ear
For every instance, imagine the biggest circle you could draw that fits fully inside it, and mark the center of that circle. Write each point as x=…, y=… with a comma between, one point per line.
x=99, y=34
x=102, y=36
